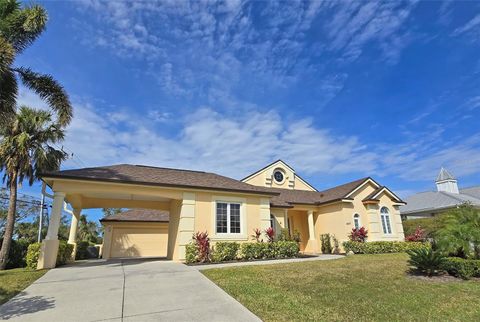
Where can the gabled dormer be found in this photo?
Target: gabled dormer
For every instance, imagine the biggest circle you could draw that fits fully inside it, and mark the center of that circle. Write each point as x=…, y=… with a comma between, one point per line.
x=278, y=174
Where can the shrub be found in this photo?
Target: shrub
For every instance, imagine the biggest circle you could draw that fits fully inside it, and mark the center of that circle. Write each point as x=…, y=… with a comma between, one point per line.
x=203, y=244
x=380, y=247
x=270, y=233
x=18, y=251
x=358, y=234
x=225, y=251
x=336, y=245
x=463, y=268
x=429, y=225
x=257, y=233
x=82, y=252
x=426, y=260
x=278, y=249
x=191, y=253
x=418, y=235
x=33, y=252
x=326, y=244
x=64, y=253
x=253, y=250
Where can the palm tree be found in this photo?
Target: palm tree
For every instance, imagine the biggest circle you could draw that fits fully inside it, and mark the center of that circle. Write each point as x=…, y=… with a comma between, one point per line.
x=26, y=134
x=19, y=27
x=25, y=151
x=87, y=230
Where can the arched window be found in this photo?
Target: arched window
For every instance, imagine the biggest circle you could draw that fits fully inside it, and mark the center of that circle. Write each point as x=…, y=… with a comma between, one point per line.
x=385, y=217
x=356, y=221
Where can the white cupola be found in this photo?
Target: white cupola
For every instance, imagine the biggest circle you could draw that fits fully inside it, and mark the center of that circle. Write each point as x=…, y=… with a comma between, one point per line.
x=446, y=182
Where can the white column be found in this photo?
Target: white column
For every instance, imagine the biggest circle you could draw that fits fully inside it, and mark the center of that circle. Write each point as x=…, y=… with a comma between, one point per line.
x=285, y=219
x=49, y=248
x=72, y=237
x=264, y=214
x=54, y=223
x=186, y=224
x=311, y=226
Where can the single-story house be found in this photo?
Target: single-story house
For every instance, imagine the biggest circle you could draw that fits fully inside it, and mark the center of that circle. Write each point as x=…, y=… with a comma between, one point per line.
x=228, y=209
x=448, y=196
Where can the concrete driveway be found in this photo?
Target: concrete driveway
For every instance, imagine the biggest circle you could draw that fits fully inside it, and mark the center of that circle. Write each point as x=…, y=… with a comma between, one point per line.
x=130, y=290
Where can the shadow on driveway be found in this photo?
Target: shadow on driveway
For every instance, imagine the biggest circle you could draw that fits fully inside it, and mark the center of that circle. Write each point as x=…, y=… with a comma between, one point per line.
x=22, y=304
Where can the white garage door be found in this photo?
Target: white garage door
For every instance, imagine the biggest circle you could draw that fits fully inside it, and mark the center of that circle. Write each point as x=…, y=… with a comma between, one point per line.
x=139, y=242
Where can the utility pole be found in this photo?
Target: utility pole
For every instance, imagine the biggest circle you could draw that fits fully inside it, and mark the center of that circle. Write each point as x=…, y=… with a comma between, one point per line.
x=40, y=222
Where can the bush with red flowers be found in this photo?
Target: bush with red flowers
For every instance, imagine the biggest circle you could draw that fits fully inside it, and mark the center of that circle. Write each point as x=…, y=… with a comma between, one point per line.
x=418, y=235
x=359, y=234
x=202, y=241
x=270, y=233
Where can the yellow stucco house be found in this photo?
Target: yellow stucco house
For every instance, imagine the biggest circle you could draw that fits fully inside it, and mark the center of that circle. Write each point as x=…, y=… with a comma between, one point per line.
x=228, y=209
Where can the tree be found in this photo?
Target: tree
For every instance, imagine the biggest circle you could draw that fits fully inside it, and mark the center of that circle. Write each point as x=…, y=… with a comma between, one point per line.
x=25, y=148
x=111, y=211
x=459, y=234
x=87, y=230
x=25, y=151
x=20, y=27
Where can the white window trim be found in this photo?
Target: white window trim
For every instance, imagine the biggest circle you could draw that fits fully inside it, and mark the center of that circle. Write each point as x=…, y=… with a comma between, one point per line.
x=389, y=219
x=359, y=221
x=243, y=219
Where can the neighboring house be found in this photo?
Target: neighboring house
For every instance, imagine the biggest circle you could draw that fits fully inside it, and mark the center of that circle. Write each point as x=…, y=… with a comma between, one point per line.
x=447, y=196
x=228, y=209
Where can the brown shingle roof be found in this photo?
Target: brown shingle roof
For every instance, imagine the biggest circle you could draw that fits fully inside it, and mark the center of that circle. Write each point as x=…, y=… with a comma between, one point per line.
x=166, y=177
x=147, y=215
x=288, y=197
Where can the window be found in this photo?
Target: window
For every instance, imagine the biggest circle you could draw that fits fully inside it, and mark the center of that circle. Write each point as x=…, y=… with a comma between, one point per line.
x=272, y=221
x=356, y=221
x=278, y=176
x=385, y=217
x=228, y=219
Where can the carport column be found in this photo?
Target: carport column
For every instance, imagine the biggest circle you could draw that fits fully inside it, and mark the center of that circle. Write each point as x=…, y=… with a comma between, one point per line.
x=285, y=219
x=49, y=248
x=186, y=224
x=264, y=213
x=72, y=237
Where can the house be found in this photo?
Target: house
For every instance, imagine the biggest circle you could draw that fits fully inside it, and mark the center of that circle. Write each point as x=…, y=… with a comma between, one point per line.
x=447, y=196
x=228, y=209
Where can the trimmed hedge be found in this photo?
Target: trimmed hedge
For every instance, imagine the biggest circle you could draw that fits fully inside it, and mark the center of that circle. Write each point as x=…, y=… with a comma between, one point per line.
x=225, y=251
x=82, y=252
x=380, y=247
x=463, y=268
x=429, y=225
x=18, y=251
x=64, y=254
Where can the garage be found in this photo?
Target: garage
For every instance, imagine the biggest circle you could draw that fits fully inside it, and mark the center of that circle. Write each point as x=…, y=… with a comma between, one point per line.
x=136, y=233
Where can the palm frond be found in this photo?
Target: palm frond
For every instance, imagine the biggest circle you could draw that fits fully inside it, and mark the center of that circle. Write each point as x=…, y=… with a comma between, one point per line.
x=7, y=55
x=22, y=26
x=8, y=96
x=49, y=90
x=7, y=7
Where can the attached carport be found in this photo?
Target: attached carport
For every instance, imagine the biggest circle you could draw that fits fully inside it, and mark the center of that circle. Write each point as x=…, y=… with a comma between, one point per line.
x=136, y=233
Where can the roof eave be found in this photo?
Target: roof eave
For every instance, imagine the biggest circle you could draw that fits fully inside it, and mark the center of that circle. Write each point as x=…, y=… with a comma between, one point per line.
x=69, y=177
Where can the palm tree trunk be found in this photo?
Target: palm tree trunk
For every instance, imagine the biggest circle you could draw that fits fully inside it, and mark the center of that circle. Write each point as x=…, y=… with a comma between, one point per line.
x=7, y=236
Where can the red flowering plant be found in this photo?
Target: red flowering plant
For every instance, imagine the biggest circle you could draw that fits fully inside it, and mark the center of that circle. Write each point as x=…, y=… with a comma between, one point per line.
x=359, y=234
x=257, y=233
x=203, y=245
x=418, y=236
x=270, y=232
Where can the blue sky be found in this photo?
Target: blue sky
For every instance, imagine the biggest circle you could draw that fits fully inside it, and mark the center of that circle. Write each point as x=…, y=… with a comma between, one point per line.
x=337, y=89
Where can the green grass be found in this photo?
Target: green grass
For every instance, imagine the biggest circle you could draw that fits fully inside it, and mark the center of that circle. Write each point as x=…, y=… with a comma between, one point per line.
x=13, y=281
x=360, y=287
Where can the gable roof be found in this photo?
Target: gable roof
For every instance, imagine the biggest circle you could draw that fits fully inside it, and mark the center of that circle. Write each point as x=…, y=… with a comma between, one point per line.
x=155, y=176
x=437, y=200
x=139, y=214
x=288, y=197
x=377, y=192
x=284, y=164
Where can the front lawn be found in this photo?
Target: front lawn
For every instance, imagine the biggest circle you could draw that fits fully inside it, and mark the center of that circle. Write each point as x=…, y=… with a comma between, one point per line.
x=13, y=281
x=359, y=287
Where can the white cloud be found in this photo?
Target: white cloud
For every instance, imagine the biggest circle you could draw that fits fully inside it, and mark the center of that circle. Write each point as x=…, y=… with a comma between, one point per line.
x=470, y=26
x=237, y=145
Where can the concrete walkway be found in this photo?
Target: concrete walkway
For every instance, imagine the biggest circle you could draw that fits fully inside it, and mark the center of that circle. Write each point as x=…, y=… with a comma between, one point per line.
x=268, y=262
x=131, y=290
